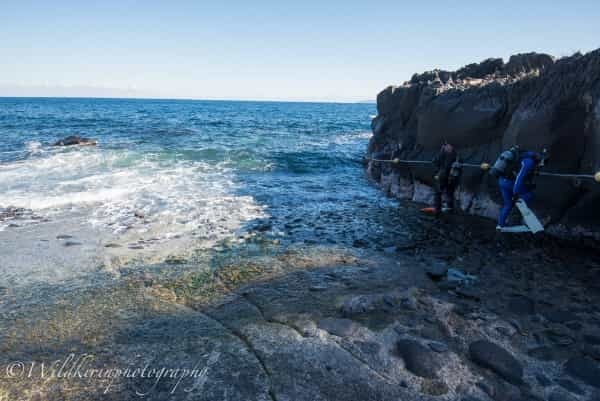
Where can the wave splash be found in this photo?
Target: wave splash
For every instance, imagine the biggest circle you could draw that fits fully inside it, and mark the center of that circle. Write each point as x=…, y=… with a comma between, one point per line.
x=129, y=193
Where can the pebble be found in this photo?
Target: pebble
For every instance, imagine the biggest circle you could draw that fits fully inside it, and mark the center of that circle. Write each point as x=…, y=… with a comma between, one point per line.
x=438, y=347
x=436, y=271
x=409, y=303
x=64, y=236
x=360, y=243
x=401, y=330
x=390, y=250
x=497, y=359
x=505, y=331
x=418, y=359
x=72, y=243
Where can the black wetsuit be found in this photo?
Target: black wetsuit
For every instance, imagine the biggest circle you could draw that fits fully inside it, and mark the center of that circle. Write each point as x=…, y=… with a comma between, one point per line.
x=444, y=182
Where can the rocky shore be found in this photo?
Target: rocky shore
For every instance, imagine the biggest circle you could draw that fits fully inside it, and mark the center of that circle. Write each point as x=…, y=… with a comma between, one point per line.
x=533, y=100
x=454, y=313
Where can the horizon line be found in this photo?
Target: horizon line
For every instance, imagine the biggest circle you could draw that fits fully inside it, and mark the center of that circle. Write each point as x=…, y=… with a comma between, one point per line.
x=366, y=101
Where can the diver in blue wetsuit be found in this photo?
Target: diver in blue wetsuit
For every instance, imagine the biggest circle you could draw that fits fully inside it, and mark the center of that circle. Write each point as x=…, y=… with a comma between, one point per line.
x=515, y=170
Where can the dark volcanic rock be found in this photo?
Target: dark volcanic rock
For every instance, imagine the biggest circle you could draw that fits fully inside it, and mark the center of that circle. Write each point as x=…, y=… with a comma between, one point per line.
x=561, y=395
x=533, y=100
x=438, y=347
x=338, y=327
x=75, y=140
x=544, y=353
x=593, y=351
x=543, y=380
x=521, y=306
x=468, y=292
x=436, y=271
x=559, y=316
x=571, y=386
x=434, y=387
x=592, y=338
x=497, y=359
x=419, y=359
x=584, y=369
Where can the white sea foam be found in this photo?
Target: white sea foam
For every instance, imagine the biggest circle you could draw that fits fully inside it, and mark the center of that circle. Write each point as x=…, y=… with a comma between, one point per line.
x=130, y=195
x=34, y=147
x=344, y=139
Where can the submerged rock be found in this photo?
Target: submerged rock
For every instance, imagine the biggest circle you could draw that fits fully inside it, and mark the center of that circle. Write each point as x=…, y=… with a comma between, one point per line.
x=75, y=140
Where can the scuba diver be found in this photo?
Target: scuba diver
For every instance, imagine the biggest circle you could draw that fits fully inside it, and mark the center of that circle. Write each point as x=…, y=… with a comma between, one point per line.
x=515, y=170
x=448, y=170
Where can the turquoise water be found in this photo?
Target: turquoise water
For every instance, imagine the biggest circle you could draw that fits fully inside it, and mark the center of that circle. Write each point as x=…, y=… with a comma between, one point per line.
x=202, y=170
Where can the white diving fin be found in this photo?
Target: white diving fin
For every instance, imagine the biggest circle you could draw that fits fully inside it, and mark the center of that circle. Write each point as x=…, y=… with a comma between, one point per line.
x=515, y=229
x=529, y=218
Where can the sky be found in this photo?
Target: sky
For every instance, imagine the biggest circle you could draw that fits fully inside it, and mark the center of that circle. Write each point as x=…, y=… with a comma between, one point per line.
x=269, y=50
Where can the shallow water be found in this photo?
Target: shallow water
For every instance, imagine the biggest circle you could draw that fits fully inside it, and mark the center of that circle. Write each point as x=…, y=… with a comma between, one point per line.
x=171, y=178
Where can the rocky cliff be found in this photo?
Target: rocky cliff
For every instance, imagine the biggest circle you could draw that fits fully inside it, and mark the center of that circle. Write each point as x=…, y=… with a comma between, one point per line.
x=532, y=100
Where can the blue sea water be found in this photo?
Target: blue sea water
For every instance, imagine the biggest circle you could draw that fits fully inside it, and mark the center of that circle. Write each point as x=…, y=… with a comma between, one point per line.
x=206, y=170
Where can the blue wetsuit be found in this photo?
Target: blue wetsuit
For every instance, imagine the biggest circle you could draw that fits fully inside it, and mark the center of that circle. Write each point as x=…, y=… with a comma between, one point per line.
x=509, y=187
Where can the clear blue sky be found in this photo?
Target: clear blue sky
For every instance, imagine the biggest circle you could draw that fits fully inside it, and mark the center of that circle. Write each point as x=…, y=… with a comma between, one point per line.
x=297, y=50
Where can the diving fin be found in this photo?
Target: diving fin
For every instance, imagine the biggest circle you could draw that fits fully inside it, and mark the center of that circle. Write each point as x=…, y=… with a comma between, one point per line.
x=529, y=218
x=515, y=229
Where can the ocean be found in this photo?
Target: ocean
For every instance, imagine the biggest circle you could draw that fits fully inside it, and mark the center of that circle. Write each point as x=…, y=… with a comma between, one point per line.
x=175, y=177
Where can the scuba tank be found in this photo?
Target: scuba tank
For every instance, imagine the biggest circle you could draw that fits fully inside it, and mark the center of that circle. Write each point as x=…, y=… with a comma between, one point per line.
x=455, y=170
x=506, y=163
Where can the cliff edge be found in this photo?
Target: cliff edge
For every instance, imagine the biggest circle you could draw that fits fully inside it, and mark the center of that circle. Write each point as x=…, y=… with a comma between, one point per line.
x=532, y=100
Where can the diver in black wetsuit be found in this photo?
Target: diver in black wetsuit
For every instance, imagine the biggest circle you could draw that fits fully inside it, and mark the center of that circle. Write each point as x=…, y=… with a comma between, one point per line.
x=447, y=167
